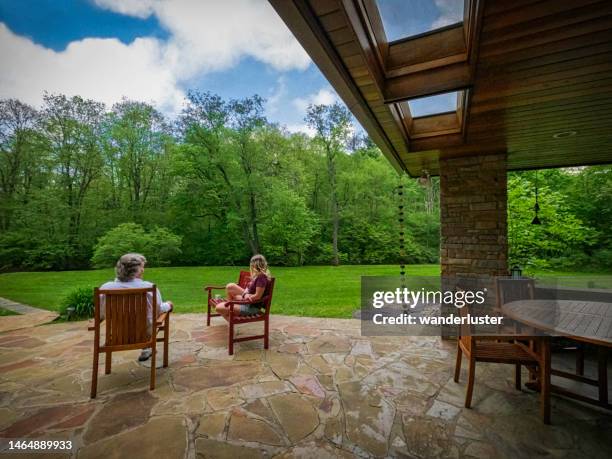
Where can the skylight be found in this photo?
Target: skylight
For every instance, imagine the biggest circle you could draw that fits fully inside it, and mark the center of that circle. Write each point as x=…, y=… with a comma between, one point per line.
x=407, y=18
x=434, y=105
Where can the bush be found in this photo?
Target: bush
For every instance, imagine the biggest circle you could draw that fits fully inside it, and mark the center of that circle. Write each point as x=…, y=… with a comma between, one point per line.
x=160, y=246
x=82, y=300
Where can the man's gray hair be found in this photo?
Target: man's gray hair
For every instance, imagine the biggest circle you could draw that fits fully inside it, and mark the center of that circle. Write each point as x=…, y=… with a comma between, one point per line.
x=128, y=266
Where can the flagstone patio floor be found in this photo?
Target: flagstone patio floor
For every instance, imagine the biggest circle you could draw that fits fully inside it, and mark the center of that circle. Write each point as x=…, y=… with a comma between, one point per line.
x=321, y=390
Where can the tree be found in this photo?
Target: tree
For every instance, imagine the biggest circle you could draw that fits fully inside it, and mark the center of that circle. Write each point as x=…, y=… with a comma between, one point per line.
x=560, y=240
x=137, y=140
x=332, y=126
x=160, y=246
x=288, y=227
x=72, y=130
x=20, y=157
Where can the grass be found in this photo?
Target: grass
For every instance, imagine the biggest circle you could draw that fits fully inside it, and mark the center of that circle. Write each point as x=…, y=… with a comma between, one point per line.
x=318, y=291
x=7, y=312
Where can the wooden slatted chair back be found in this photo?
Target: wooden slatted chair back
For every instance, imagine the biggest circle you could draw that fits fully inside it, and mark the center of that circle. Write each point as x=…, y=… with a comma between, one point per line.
x=267, y=298
x=514, y=289
x=126, y=315
x=244, y=278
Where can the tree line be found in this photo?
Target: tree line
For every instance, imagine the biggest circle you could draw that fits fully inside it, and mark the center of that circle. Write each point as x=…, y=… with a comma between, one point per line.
x=81, y=182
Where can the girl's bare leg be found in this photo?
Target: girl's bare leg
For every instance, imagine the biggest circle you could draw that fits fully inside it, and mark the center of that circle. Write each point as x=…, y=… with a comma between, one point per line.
x=234, y=291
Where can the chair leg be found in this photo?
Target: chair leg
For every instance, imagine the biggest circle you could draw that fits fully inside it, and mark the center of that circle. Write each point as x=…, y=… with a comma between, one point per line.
x=517, y=376
x=602, y=373
x=580, y=360
x=470, y=386
x=458, y=363
x=94, y=374
x=208, y=316
x=231, y=339
x=545, y=380
x=153, y=364
x=267, y=333
x=108, y=363
x=166, y=339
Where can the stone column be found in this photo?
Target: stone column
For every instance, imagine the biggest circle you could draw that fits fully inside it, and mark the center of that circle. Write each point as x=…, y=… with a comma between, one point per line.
x=474, y=227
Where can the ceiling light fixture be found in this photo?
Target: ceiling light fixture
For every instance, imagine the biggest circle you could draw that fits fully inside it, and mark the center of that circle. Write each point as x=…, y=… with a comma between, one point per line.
x=564, y=134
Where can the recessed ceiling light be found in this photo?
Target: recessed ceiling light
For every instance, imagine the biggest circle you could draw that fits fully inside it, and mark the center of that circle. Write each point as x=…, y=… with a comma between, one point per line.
x=564, y=134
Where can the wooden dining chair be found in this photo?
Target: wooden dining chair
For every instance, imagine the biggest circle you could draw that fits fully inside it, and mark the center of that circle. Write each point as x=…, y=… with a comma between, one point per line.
x=493, y=350
x=127, y=327
x=509, y=289
x=234, y=318
x=243, y=280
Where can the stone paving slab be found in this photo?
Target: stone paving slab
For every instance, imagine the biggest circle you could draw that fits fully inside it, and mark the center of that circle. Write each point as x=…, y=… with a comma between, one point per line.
x=29, y=316
x=321, y=391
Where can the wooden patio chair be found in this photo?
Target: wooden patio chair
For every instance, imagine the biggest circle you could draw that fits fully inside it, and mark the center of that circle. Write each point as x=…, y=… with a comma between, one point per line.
x=514, y=289
x=243, y=280
x=127, y=328
x=491, y=349
x=234, y=318
x=524, y=289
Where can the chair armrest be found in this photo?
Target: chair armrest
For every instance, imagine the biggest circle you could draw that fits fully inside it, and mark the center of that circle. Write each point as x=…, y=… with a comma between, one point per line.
x=161, y=319
x=91, y=326
x=214, y=287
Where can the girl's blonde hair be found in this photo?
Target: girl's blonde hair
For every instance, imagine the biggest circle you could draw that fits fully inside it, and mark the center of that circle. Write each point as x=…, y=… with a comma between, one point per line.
x=258, y=266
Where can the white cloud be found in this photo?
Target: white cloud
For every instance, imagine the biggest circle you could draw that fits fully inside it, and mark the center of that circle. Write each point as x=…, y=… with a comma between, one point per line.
x=137, y=8
x=214, y=35
x=204, y=36
x=322, y=97
x=277, y=95
x=301, y=128
x=451, y=12
x=100, y=69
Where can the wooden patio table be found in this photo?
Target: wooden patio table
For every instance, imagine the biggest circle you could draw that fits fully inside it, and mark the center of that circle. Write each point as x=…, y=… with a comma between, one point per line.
x=584, y=321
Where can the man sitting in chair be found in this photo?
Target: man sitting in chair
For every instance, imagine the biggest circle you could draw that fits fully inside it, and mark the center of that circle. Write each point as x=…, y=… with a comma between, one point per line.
x=260, y=279
x=129, y=271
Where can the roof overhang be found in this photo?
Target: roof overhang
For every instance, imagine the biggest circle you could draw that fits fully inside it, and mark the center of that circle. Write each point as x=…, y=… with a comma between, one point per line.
x=535, y=80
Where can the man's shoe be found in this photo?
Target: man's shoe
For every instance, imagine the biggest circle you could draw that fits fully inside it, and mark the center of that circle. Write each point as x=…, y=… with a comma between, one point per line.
x=145, y=355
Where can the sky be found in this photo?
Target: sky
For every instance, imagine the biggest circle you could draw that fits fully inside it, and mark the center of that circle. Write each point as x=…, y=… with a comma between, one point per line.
x=157, y=50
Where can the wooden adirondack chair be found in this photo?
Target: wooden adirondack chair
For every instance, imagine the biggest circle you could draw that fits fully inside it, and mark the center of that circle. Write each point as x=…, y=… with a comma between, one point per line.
x=243, y=280
x=234, y=318
x=127, y=327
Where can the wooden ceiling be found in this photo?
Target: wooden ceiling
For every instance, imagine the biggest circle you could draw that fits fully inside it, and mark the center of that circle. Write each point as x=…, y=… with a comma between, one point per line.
x=538, y=76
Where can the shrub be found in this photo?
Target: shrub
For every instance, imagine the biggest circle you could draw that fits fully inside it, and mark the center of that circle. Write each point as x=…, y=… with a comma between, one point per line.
x=160, y=246
x=82, y=300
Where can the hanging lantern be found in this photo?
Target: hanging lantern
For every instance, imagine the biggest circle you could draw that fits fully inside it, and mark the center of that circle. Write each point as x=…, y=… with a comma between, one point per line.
x=536, y=207
x=516, y=272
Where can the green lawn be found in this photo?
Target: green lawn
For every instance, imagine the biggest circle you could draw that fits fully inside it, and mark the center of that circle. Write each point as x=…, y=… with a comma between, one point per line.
x=321, y=291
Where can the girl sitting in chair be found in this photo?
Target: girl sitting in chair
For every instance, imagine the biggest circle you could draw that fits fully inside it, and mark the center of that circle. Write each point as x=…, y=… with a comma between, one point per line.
x=255, y=290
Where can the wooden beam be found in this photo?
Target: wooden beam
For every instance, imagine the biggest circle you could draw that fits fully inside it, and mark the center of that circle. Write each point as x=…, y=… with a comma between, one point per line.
x=429, y=82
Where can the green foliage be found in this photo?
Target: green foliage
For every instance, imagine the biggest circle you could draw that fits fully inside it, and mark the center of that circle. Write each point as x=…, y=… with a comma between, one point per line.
x=160, y=246
x=562, y=240
x=220, y=182
x=82, y=300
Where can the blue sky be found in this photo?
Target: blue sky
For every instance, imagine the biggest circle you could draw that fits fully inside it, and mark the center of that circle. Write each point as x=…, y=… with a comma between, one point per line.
x=405, y=18
x=157, y=51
